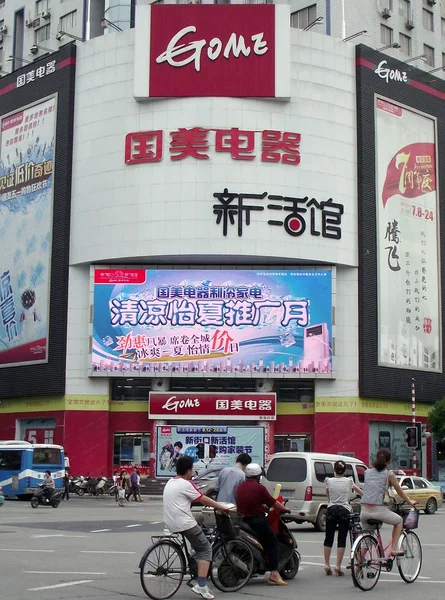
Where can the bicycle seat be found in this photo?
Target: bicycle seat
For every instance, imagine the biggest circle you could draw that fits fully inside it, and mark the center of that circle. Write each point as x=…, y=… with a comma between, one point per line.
x=374, y=523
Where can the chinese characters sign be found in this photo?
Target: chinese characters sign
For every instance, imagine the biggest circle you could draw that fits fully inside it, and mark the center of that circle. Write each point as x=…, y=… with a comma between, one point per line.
x=26, y=209
x=408, y=242
x=36, y=74
x=212, y=321
x=208, y=446
x=193, y=405
x=276, y=146
x=212, y=50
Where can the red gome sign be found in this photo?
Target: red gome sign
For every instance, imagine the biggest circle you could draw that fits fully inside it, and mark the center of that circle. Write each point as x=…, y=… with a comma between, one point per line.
x=192, y=406
x=210, y=50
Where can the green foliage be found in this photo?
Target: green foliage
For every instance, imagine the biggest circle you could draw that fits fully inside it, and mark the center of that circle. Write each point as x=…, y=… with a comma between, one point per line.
x=436, y=420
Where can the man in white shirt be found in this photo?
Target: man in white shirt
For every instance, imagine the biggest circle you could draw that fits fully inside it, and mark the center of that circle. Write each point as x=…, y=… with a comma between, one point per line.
x=230, y=478
x=179, y=493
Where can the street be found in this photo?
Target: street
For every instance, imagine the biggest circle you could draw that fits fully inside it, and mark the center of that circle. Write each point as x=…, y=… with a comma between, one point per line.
x=89, y=548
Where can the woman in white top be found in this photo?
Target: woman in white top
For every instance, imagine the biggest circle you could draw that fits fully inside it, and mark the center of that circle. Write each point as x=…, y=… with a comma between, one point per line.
x=338, y=491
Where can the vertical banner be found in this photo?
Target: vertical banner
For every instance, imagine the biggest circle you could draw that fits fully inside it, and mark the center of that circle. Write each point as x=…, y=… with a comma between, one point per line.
x=208, y=446
x=409, y=297
x=26, y=215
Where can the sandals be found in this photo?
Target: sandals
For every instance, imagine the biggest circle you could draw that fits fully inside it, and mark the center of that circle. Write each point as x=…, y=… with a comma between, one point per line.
x=339, y=572
x=278, y=582
x=328, y=570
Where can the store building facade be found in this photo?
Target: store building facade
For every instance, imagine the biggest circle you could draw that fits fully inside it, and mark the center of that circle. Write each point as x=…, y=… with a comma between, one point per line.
x=214, y=197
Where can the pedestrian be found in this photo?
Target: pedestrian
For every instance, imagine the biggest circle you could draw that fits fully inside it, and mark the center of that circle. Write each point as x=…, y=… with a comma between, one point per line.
x=66, y=485
x=126, y=484
x=377, y=480
x=115, y=478
x=121, y=488
x=179, y=493
x=338, y=491
x=139, y=485
x=229, y=479
x=134, y=486
x=251, y=497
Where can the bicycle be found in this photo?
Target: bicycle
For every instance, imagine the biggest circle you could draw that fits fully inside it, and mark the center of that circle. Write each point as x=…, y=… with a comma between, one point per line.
x=168, y=560
x=368, y=555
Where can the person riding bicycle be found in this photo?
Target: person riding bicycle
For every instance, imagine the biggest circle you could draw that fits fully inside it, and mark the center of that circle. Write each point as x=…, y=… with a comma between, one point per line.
x=252, y=498
x=377, y=481
x=179, y=493
x=229, y=479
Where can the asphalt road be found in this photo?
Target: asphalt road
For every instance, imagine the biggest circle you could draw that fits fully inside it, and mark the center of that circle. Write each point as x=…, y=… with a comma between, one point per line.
x=89, y=548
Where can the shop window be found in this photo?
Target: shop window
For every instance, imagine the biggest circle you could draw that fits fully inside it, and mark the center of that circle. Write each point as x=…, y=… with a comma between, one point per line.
x=302, y=18
x=294, y=391
x=292, y=443
x=10, y=460
x=130, y=389
x=213, y=385
x=287, y=469
x=323, y=470
x=131, y=450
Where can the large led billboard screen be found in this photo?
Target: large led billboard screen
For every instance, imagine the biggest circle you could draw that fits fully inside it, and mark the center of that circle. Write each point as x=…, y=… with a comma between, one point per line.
x=224, y=321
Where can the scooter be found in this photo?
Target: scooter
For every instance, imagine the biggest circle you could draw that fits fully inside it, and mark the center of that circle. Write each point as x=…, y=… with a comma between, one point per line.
x=41, y=499
x=288, y=555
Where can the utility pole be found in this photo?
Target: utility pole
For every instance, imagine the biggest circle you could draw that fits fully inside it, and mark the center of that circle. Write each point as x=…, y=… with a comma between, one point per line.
x=413, y=418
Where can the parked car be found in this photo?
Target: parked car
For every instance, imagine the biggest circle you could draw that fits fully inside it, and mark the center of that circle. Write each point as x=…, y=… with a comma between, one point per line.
x=206, y=482
x=440, y=485
x=428, y=497
x=302, y=475
x=2, y=498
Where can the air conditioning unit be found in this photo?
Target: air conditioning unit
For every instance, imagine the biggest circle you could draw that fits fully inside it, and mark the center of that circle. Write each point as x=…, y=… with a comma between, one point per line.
x=46, y=15
x=432, y=2
x=409, y=24
x=36, y=23
x=386, y=13
x=29, y=22
x=3, y=29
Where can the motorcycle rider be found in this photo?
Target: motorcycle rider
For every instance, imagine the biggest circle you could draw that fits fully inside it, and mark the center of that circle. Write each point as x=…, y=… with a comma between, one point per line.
x=252, y=498
x=229, y=479
x=48, y=485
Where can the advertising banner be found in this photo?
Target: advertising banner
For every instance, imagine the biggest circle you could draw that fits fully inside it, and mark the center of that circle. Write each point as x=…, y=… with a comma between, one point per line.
x=409, y=299
x=212, y=50
x=204, y=405
x=155, y=321
x=208, y=446
x=26, y=215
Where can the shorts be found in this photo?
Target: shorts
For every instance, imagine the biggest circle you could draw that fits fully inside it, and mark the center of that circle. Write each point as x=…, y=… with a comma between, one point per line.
x=199, y=543
x=379, y=513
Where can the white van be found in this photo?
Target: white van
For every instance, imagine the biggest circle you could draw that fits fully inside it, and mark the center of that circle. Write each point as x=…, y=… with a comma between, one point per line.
x=302, y=476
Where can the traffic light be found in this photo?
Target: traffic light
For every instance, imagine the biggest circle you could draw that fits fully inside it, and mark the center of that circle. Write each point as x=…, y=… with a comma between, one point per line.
x=411, y=435
x=200, y=450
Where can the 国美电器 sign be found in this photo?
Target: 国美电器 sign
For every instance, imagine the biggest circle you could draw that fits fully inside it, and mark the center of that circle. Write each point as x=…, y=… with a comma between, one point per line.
x=154, y=321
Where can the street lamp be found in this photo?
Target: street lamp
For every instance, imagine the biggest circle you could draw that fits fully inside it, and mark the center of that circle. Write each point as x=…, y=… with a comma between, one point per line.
x=420, y=57
x=354, y=35
x=395, y=45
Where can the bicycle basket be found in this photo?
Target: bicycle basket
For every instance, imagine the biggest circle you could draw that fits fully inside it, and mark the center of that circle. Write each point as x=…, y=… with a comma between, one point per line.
x=229, y=524
x=410, y=518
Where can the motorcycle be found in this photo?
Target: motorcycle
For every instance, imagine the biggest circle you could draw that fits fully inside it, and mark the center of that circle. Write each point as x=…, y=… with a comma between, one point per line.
x=81, y=486
x=98, y=486
x=40, y=498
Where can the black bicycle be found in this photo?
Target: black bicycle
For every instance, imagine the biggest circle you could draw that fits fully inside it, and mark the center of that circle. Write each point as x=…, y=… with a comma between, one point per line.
x=168, y=560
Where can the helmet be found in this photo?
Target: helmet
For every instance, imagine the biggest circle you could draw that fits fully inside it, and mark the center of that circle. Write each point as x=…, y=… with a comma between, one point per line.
x=253, y=470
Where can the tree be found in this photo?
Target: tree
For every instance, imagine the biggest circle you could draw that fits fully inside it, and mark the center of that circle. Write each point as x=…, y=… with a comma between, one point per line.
x=436, y=420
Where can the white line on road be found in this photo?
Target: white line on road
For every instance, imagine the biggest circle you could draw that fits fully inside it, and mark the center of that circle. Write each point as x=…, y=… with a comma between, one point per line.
x=156, y=522
x=22, y=550
x=137, y=525
x=102, y=552
x=60, y=585
x=48, y=536
x=64, y=573
x=99, y=530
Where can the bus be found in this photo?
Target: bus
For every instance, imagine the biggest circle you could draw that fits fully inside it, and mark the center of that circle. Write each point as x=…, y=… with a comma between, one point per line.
x=23, y=466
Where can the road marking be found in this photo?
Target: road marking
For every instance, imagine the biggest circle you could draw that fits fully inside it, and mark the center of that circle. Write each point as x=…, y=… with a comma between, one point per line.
x=48, y=536
x=60, y=585
x=64, y=573
x=102, y=552
x=137, y=525
x=156, y=522
x=99, y=530
x=23, y=550
x=440, y=545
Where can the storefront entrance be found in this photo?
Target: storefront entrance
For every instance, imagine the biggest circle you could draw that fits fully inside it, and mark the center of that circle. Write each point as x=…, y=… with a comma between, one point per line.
x=132, y=450
x=292, y=443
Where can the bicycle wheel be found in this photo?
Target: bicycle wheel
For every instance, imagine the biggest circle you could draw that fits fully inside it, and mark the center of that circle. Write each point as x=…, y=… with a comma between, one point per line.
x=232, y=566
x=410, y=564
x=162, y=570
x=365, y=563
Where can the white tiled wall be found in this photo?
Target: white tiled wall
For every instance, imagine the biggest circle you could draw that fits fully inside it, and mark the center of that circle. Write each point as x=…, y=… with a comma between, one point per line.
x=137, y=212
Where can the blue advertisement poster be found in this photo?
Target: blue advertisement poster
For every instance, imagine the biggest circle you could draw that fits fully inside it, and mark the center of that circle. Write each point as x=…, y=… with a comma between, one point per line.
x=212, y=321
x=26, y=219
x=208, y=446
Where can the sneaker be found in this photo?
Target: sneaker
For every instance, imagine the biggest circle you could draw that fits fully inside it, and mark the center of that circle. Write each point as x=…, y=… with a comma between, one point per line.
x=203, y=591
